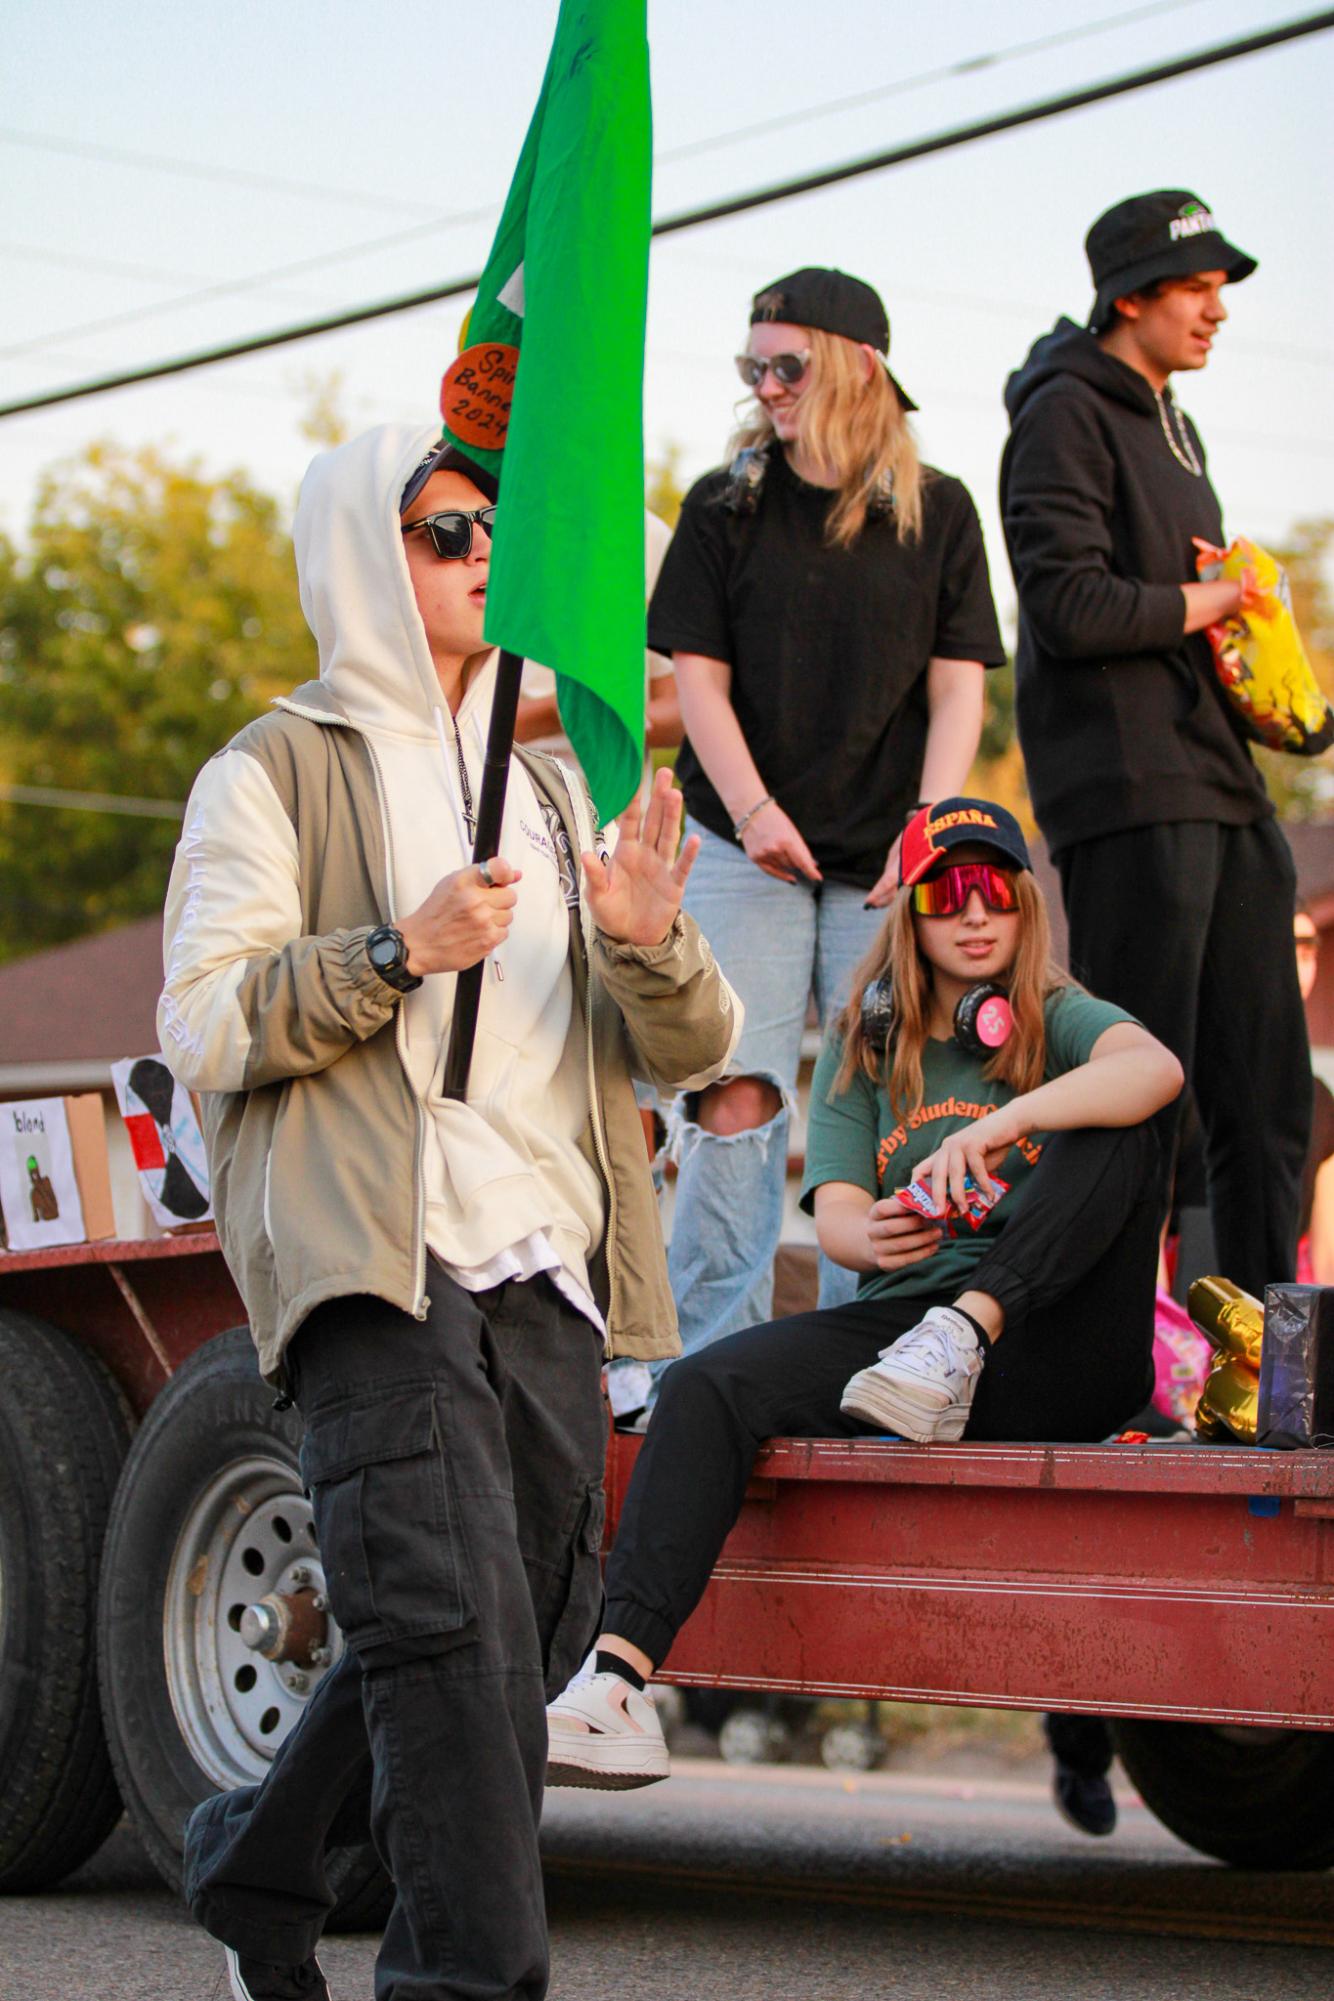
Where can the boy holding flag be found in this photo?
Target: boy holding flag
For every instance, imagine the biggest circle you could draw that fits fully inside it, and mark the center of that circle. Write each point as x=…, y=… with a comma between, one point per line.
x=434, y=1276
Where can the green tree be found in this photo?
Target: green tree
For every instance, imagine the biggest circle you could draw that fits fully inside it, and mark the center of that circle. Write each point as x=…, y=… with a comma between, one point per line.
x=663, y=491
x=998, y=770
x=151, y=614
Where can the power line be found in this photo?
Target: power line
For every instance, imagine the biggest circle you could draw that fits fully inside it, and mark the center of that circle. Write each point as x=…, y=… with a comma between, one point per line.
x=263, y=281
x=940, y=142
x=259, y=280
x=964, y=66
x=138, y=274
x=240, y=177
x=1010, y=308
x=92, y=802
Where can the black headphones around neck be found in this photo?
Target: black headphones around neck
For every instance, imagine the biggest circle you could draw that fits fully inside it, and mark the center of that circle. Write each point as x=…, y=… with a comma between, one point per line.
x=983, y=1021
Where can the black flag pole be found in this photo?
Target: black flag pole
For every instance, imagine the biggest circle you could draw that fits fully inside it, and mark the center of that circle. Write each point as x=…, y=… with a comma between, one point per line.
x=486, y=845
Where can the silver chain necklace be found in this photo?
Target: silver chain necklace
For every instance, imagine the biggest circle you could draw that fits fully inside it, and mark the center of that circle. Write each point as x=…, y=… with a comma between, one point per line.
x=469, y=814
x=1183, y=453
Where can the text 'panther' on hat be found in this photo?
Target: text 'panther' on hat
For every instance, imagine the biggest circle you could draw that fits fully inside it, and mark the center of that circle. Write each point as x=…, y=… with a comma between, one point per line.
x=1167, y=234
x=833, y=303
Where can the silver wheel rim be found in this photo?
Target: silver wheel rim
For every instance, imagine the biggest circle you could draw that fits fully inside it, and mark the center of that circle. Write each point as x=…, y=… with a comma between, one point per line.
x=250, y=1532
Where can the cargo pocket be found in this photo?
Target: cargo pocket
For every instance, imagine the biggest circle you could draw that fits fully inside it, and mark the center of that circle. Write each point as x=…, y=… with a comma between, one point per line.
x=388, y=1526
x=579, y=1620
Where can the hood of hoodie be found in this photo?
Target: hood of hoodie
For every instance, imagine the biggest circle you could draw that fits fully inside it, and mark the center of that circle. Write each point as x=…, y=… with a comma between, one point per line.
x=355, y=589
x=1072, y=350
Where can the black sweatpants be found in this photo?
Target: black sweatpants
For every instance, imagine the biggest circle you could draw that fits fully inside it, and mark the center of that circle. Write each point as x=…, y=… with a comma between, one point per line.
x=1189, y=927
x=1074, y=1268
x=456, y=1467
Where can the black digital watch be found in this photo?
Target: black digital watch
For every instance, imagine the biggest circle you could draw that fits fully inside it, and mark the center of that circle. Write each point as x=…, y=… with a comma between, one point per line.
x=389, y=955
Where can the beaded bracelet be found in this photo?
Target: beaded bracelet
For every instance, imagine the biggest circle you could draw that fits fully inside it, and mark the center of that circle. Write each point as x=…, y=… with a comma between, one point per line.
x=741, y=825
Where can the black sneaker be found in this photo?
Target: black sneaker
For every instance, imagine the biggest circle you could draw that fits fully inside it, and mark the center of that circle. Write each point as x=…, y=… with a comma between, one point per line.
x=1084, y=1800
x=256, y=1980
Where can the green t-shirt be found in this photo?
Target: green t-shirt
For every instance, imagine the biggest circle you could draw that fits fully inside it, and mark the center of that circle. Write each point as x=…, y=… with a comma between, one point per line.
x=855, y=1136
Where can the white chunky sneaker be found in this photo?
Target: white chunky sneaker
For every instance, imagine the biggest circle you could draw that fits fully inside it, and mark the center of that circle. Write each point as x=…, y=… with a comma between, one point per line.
x=603, y=1732
x=922, y=1386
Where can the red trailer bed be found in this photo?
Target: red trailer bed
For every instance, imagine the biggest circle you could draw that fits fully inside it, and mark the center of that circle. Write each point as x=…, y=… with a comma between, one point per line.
x=1185, y=1592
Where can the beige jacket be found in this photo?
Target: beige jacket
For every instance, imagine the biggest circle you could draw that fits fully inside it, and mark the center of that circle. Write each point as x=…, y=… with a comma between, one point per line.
x=273, y=1013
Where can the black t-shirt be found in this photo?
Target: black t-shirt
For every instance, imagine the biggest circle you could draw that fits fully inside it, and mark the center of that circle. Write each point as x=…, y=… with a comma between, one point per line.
x=828, y=649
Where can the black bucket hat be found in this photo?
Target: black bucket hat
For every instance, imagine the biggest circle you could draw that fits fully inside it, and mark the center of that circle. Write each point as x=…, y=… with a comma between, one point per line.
x=834, y=303
x=1167, y=234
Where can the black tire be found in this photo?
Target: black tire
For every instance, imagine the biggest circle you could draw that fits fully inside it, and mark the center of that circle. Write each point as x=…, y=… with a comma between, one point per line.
x=1260, y=1799
x=63, y=1434
x=172, y=1747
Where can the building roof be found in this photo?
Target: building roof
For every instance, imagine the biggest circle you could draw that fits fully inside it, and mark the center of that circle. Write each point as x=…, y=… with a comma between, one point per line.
x=67, y=1012
x=78, y=1007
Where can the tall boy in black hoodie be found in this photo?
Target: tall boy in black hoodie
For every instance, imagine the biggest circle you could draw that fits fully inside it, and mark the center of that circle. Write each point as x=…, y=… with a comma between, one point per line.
x=1177, y=882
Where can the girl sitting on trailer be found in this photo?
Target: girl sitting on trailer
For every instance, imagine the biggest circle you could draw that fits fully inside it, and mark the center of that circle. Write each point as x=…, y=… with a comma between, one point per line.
x=978, y=1153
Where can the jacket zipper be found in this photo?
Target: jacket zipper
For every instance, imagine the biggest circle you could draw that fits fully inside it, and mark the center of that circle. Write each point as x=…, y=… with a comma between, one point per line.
x=594, y=1085
x=420, y=1303
x=267, y=1211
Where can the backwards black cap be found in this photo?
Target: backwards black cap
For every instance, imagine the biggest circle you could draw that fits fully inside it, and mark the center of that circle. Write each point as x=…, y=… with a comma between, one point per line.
x=834, y=303
x=445, y=457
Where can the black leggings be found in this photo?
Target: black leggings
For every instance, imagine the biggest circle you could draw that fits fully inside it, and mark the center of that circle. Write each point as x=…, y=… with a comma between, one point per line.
x=1074, y=1268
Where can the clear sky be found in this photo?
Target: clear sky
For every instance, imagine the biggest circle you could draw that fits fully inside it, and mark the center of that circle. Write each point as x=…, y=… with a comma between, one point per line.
x=298, y=159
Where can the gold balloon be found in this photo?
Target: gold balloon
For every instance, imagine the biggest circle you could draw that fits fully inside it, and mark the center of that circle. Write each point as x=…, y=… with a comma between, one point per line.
x=1229, y=1403
x=1232, y=1321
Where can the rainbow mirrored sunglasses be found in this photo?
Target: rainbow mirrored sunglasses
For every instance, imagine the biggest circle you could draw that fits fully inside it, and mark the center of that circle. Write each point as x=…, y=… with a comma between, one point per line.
x=946, y=893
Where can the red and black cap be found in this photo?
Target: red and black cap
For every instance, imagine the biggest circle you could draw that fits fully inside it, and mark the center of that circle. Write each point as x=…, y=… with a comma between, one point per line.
x=445, y=457
x=832, y=302
x=1167, y=234
x=934, y=830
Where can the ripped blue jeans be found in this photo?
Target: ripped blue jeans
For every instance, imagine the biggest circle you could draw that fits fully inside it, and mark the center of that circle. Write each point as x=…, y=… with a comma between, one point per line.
x=777, y=942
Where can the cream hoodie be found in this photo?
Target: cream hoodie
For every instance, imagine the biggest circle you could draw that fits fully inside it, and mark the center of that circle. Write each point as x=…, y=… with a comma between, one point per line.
x=508, y=1191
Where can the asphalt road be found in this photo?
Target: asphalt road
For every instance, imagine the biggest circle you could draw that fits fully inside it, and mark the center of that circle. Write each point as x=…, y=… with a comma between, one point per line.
x=785, y=1885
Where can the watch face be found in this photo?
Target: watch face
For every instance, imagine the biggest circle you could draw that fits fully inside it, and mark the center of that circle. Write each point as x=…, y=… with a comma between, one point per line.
x=385, y=950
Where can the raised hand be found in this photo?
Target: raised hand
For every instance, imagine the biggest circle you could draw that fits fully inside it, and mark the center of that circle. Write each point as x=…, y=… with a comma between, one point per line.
x=634, y=897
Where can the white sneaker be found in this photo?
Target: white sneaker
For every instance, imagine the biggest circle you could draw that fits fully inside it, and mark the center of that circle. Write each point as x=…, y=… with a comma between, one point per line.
x=922, y=1386
x=604, y=1732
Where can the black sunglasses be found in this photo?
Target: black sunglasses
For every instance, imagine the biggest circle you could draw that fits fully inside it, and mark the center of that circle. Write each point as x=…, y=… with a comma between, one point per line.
x=451, y=532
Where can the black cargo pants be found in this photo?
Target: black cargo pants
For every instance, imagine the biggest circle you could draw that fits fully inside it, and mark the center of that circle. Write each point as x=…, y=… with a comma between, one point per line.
x=1189, y=927
x=456, y=1467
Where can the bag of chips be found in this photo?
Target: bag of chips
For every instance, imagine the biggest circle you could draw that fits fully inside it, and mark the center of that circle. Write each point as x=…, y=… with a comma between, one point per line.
x=1260, y=658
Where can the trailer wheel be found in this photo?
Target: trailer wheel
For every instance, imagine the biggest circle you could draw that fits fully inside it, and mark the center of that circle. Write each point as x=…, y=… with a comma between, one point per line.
x=63, y=1434
x=213, y=1631
x=1258, y=1798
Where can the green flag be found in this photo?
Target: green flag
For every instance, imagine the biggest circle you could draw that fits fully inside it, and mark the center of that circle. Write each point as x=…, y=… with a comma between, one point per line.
x=567, y=284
